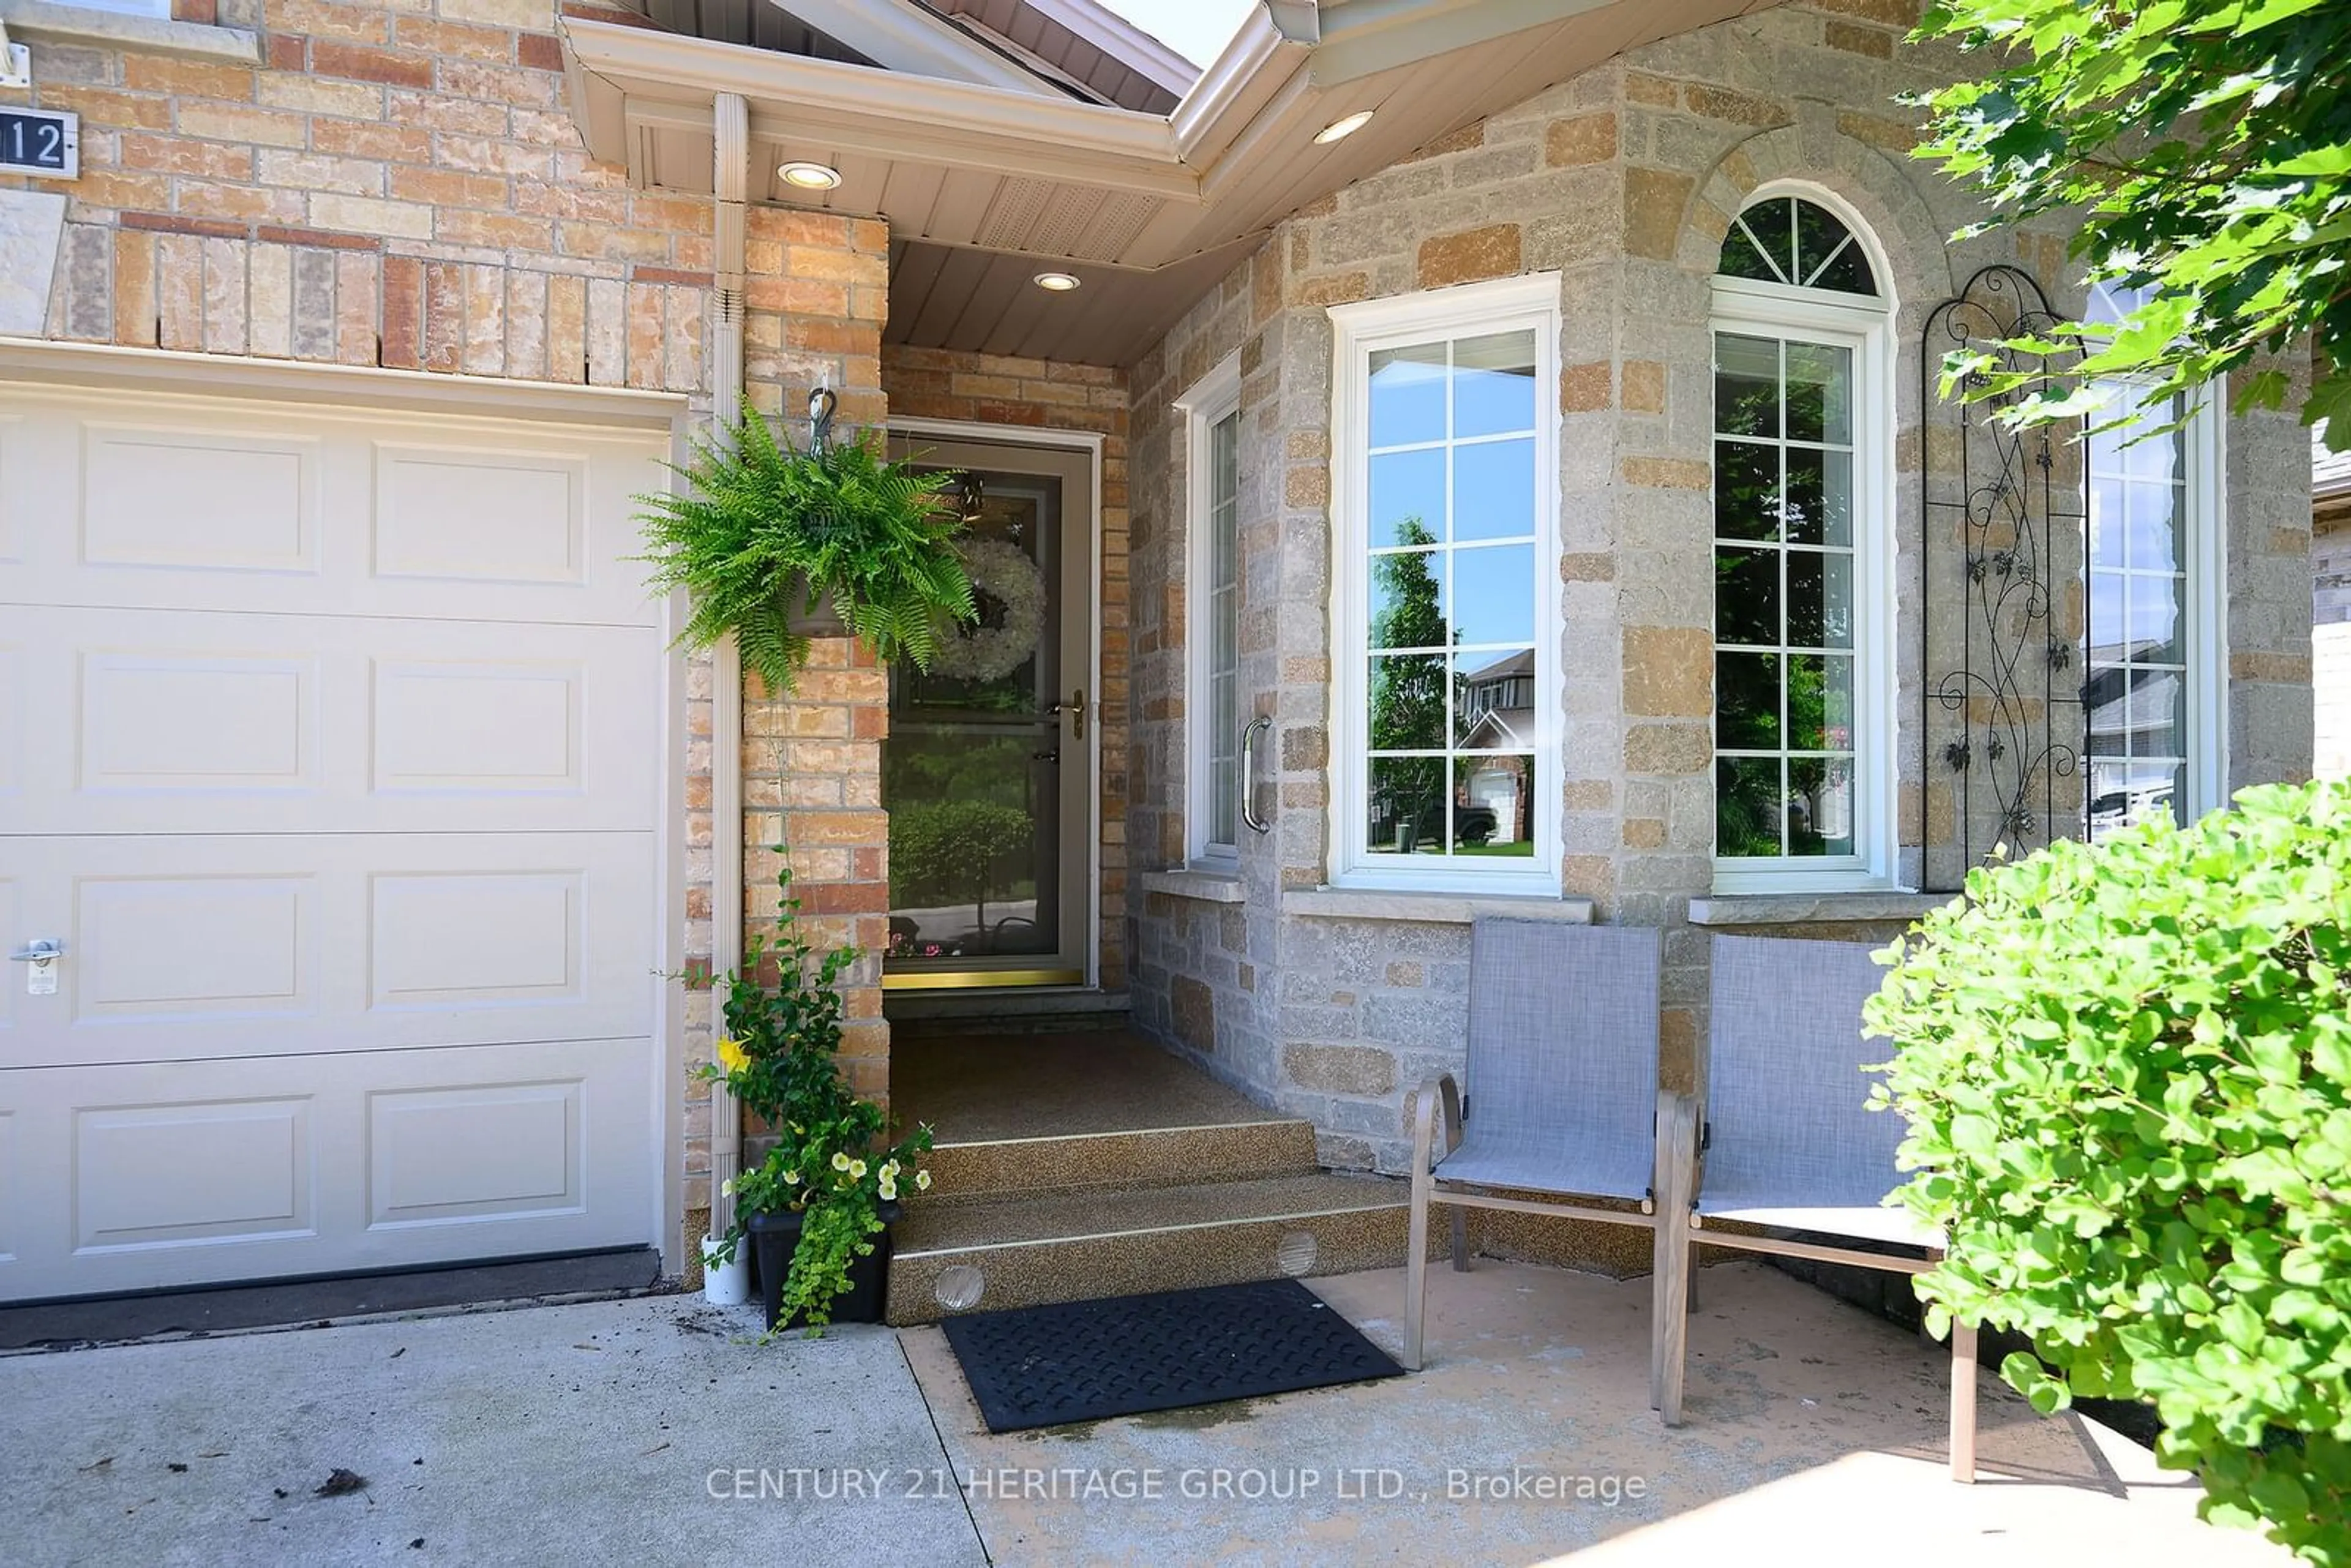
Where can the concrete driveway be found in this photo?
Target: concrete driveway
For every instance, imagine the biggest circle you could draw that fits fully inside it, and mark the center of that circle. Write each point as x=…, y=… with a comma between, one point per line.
x=657, y=1431
x=580, y=1433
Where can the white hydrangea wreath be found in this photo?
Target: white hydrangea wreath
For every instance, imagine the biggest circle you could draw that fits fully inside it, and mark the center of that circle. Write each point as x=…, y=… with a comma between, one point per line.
x=1007, y=575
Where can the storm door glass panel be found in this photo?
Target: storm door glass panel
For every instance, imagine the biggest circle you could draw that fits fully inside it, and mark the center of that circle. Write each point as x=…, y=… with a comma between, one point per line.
x=970, y=770
x=2136, y=692
x=1783, y=598
x=1455, y=592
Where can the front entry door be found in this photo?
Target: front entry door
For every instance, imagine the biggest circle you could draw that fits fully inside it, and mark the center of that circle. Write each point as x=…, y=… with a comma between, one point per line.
x=988, y=773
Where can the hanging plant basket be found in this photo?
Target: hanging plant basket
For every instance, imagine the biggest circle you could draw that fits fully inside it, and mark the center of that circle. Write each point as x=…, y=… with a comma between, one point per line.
x=808, y=612
x=776, y=544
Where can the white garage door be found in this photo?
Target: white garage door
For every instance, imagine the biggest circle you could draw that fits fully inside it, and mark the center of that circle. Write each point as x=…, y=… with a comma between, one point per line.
x=330, y=748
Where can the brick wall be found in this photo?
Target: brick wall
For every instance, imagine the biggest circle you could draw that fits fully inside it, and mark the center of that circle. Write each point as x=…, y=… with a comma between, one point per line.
x=933, y=383
x=397, y=186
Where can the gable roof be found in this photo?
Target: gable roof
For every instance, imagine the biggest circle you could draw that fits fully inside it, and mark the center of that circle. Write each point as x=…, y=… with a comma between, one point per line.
x=984, y=182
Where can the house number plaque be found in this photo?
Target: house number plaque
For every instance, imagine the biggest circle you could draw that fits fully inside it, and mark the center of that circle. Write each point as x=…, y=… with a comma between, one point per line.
x=41, y=141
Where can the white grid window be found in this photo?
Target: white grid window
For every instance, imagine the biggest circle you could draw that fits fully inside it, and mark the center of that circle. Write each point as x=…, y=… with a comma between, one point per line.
x=2153, y=688
x=1447, y=471
x=1214, y=705
x=1223, y=586
x=1803, y=676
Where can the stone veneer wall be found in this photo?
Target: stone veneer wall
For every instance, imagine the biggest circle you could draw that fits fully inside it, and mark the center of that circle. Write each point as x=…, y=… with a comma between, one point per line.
x=1625, y=180
x=399, y=185
x=985, y=389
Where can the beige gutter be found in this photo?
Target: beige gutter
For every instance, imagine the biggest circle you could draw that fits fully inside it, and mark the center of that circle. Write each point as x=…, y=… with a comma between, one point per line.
x=1256, y=66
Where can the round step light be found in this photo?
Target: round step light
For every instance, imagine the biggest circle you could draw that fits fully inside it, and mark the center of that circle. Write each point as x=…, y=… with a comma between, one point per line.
x=960, y=1288
x=1295, y=1254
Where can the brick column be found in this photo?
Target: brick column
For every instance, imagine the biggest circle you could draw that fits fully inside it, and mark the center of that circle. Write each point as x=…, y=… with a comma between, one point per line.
x=816, y=291
x=813, y=783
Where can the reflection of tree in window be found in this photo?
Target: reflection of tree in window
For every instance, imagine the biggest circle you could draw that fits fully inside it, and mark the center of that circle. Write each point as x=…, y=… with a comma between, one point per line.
x=1407, y=694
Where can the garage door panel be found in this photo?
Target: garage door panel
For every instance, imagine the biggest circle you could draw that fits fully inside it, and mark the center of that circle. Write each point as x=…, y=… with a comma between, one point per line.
x=172, y=722
x=206, y=498
x=132, y=1165
x=443, y=939
x=293, y=509
x=15, y=671
x=179, y=949
x=430, y=501
x=179, y=720
x=442, y=1157
x=323, y=1164
x=163, y=949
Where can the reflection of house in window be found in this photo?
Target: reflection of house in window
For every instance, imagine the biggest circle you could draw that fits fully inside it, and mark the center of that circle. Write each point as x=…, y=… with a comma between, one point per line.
x=2135, y=698
x=1496, y=708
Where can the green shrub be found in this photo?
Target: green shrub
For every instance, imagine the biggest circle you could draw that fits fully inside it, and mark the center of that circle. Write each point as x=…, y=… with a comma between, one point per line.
x=2127, y=1073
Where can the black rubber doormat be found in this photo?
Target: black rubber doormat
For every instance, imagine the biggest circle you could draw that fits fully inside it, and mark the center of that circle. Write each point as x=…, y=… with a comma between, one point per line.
x=1081, y=1361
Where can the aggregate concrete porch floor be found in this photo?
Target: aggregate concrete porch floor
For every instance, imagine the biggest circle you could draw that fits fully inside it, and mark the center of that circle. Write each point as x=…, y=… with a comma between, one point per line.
x=974, y=1087
x=599, y=1433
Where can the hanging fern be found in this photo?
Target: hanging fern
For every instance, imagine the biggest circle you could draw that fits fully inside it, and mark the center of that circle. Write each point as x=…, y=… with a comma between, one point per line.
x=754, y=516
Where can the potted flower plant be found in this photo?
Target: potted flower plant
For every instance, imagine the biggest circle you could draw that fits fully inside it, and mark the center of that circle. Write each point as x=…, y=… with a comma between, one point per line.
x=818, y=1209
x=776, y=543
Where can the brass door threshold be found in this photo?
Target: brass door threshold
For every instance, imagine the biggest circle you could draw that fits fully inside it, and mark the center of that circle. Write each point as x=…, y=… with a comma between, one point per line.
x=980, y=979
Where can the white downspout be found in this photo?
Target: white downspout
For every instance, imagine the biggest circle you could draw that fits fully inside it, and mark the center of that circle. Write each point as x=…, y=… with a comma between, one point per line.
x=731, y=137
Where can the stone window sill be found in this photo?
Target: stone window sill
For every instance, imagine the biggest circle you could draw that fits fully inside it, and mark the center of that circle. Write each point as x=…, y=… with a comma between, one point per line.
x=48, y=19
x=1431, y=908
x=1811, y=908
x=1208, y=886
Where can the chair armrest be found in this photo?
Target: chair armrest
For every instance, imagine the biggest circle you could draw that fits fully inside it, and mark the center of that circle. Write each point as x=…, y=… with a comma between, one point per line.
x=1437, y=1096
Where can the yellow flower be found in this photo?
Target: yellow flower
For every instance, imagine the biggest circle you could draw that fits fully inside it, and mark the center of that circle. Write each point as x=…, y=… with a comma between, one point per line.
x=727, y=1186
x=889, y=1192
x=922, y=1181
x=857, y=1170
x=839, y=1161
x=731, y=1056
x=791, y=1178
x=890, y=1170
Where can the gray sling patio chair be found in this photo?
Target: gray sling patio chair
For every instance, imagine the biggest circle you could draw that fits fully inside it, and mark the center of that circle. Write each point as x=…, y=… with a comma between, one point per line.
x=1562, y=1088
x=1786, y=1141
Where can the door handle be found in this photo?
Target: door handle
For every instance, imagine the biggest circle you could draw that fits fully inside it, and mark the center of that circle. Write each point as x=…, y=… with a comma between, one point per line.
x=1250, y=731
x=39, y=952
x=1076, y=708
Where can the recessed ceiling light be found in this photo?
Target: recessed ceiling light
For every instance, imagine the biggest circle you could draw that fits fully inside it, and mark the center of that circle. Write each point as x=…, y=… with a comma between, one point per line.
x=1059, y=282
x=810, y=176
x=1340, y=130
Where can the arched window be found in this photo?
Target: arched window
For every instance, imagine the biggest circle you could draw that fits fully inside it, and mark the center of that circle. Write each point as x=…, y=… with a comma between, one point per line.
x=1803, y=665
x=1787, y=239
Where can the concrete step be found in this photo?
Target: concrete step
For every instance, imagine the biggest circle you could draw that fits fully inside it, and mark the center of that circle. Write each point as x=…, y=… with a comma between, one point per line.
x=1029, y=1248
x=984, y=1170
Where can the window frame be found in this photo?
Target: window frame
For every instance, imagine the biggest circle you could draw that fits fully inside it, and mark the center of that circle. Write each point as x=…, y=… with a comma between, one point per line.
x=1207, y=404
x=1529, y=302
x=2204, y=608
x=1865, y=324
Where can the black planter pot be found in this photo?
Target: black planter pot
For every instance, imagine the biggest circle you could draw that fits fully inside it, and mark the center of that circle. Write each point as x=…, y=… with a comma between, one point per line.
x=774, y=1239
